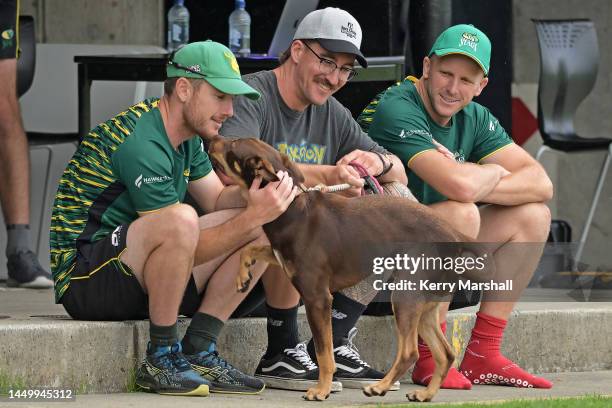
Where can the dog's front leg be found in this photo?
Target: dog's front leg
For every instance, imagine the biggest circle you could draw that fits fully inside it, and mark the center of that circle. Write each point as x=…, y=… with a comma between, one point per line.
x=248, y=257
x=318, y=311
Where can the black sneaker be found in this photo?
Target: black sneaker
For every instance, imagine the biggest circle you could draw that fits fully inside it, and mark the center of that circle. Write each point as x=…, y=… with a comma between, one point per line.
x=223, y=377
x=293, y=369
x=166, y=371
x=24, y=271
x=351, y=370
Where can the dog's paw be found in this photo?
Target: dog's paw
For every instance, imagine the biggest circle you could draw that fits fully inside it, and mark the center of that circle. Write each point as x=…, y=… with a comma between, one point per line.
x=316, y=394
x=373, y=390
x=419, y=396
x=243, y=284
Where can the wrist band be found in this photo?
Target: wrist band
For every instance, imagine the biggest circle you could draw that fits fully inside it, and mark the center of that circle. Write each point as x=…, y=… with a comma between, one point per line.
x=386, y=167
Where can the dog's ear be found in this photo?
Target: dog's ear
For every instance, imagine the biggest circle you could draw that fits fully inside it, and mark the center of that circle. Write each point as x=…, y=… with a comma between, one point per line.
x=294, y=172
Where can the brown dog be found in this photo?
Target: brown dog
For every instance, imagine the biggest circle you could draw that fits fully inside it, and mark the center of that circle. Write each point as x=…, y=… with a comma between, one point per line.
x=317, y=242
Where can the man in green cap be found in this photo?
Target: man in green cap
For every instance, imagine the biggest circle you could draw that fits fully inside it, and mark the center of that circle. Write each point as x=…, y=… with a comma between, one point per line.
x=123, y=246
x=457, y=154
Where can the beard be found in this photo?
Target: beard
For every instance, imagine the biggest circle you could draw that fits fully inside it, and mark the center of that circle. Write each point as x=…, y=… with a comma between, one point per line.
x=194, y=122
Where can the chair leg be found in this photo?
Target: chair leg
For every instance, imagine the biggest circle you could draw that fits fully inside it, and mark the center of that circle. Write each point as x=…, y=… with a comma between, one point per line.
x=541, y=151
x=587, y=225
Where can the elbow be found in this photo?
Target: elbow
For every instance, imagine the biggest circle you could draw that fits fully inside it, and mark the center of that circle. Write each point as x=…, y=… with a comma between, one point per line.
x=548, y=190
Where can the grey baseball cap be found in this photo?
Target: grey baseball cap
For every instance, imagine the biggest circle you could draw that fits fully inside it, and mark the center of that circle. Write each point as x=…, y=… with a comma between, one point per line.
x=335, y=29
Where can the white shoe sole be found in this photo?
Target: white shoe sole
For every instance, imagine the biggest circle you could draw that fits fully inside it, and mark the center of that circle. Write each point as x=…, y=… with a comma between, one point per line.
x=39, y=283
x=293, y=384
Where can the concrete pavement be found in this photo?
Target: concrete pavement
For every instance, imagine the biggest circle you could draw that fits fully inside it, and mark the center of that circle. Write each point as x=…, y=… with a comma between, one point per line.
x=41, y=346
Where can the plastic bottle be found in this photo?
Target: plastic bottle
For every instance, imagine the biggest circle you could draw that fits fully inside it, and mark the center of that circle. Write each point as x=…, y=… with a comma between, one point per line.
x=178, y=25
x=240, y=30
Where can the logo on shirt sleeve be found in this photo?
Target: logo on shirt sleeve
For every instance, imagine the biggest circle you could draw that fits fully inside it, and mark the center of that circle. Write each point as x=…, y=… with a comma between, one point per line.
x=493, y=125
x=138, y=181
x=150, y=180
x=420, y=132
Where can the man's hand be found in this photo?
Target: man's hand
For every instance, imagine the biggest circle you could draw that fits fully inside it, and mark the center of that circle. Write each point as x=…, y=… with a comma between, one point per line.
x=501, y=170
x=343, y=173
x=266, y=204
x=442, y=149
x=369, y=160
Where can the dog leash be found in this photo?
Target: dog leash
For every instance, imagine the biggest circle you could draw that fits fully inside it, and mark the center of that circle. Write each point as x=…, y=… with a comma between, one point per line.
x=370, y=181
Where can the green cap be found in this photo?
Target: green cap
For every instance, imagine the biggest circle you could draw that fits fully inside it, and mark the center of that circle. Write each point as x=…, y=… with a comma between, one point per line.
x=467, y=40
x=213, y=62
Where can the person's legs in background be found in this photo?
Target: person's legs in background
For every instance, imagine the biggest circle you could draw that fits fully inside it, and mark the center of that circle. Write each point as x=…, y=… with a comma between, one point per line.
x=23, y=267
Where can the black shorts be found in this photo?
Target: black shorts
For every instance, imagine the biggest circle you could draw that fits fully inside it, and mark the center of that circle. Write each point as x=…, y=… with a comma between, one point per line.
x=9, y=36
x=104, y=288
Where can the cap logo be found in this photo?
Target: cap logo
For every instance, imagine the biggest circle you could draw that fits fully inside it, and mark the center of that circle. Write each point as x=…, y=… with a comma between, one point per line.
x=195, y=68
x=348, y=30
x=232, y=61
x=470, y=40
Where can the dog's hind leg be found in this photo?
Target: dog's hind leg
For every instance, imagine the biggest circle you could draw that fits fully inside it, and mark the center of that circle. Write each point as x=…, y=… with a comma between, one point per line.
x=443, y=355
x=318, y=310
x=407, y=316
x=248, y=257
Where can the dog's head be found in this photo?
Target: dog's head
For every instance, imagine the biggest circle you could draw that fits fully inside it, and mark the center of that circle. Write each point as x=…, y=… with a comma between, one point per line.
x=245, y=159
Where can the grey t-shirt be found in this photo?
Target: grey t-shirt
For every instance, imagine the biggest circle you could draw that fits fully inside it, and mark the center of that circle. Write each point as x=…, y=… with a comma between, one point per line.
x=318, y=135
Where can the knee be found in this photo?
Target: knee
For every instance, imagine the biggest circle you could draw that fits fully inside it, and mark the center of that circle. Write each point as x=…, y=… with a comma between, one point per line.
x=466, y=217
x=181, y=225
x=535, y=218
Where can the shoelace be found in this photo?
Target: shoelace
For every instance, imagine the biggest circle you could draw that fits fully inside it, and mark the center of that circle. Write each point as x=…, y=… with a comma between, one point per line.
x=214, y=356
x=300, y=353
x=350, y=350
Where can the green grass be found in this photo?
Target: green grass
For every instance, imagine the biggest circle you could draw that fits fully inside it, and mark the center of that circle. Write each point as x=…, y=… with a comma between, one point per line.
x=10, y=382
x=130, y=383
x=590, y=401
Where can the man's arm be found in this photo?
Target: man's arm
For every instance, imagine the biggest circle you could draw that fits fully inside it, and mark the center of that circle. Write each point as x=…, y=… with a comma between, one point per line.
x=527, y=183
x=205, y=190
x=262, y=206
x=464, y=182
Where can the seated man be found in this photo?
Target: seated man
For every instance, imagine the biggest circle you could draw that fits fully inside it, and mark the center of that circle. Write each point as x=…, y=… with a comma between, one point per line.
x=456, y=154
x=123, y=246
x=298, y=115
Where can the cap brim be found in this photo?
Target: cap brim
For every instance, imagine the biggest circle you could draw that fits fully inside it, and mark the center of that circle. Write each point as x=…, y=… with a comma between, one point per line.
x=343, y=46
x=448, y=51
x=233, y=86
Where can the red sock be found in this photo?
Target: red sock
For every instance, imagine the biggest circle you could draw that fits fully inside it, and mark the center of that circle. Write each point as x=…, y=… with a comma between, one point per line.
x=483, y=362
x=424, y=368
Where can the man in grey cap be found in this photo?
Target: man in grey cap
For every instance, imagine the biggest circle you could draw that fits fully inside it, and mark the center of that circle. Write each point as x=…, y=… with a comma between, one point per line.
x=298, y=115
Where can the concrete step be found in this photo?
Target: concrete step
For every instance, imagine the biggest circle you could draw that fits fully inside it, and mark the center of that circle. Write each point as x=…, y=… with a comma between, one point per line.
x=41, y=346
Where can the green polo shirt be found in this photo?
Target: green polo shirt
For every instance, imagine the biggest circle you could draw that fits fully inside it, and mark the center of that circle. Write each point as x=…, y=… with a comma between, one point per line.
x=123, y=167
x=398, y=121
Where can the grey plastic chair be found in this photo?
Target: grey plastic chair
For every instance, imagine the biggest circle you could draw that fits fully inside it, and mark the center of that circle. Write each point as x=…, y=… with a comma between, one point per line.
x=569, y=57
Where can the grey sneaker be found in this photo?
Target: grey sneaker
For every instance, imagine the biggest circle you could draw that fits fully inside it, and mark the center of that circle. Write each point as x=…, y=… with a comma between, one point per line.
x=351, y=370
x=293, y=369
x=24, y=271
